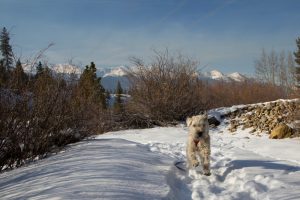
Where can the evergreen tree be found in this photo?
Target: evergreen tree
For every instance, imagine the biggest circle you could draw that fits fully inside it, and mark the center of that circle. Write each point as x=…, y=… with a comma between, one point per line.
x=43, y=72
x=19, y=78
x=119, y=89
x=3, y=74
x=44, y=80
x=6, y=49
x=90, y=85
x=118, y=103
x=39, y=69
x=107, y=97
x=297, y=60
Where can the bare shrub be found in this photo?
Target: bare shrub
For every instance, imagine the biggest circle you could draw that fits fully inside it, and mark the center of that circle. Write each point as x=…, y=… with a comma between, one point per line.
x=165, y=90
x=246, y=92
x=50, y=115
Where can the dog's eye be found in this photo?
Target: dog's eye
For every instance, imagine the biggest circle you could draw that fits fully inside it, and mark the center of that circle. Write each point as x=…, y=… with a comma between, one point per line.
x=194, y=125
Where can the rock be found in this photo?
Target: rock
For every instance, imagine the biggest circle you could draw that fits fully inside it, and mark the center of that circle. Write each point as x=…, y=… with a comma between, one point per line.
x=213, y=121
x=252, y=131
x=263, y=117
x=233, y=130
x=281, y=131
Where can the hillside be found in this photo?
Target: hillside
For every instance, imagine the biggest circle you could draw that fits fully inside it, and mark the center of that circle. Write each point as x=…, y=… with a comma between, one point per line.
x=139, y=164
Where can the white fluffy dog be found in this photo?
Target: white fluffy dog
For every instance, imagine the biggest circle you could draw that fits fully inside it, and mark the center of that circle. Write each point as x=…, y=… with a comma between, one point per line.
x=198, y=142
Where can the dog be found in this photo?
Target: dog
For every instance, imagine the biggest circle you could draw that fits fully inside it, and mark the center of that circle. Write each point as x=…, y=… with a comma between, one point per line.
x=198, y=143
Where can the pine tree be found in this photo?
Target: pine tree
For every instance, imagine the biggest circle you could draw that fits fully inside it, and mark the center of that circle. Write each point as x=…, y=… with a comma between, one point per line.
x=118, y=103
x=3, y=74
x=43, y=72
x=90, y=85
x=39, y=70
x=107, y=97
x=19, y=78
x=119, y=89
x=6, y=49
x=297, y=60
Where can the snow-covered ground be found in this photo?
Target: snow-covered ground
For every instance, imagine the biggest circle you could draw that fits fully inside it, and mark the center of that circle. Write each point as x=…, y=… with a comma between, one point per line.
x=139, y=164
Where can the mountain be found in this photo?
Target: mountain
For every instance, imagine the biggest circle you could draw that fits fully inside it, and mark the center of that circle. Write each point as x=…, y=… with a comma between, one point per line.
x=216, y=75
x=219, y=76
x=111, y=76
x=117, y=71
x=58, y=68
x=110, y=82
x=237, y=77
x=67, y=69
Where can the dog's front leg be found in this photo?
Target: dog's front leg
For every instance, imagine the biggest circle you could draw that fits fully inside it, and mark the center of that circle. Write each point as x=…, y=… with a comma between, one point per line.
x=192, y=158
x=205, y=160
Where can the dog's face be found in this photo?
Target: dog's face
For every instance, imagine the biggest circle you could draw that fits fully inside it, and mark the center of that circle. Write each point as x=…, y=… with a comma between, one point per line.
x=198, y=125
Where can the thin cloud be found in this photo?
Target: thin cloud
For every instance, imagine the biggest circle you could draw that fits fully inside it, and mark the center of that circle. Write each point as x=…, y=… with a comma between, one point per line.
x=170, y=13
x=216, y=10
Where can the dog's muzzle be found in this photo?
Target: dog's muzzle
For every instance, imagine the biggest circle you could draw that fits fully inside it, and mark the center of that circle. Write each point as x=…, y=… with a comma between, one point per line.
x=200, y=134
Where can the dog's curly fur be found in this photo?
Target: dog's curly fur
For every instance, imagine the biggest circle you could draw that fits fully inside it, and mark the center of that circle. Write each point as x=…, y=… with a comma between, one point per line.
x=198, y=142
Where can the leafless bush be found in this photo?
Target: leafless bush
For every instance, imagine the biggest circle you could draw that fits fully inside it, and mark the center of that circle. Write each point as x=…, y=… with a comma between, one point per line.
x=166, y=90
x=43, y=119
x=246, y=92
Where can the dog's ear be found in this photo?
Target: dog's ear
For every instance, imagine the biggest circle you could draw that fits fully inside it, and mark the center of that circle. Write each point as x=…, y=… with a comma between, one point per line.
x=188, y=121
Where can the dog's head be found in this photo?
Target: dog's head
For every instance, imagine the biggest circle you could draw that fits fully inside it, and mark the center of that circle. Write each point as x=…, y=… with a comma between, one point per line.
x=198, y=125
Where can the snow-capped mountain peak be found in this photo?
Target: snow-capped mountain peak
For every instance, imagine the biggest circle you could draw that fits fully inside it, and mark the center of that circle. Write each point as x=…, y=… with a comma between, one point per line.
x=215, y=74
x=218, y=76
x=58, y=68
x=67, y=69
x=236, y=76
x=117, y=71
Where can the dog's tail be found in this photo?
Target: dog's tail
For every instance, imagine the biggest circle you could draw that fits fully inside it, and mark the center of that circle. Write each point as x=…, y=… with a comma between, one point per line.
x=180, y=165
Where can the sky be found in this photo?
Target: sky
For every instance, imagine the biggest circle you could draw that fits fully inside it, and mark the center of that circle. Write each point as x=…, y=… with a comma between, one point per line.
x=227, y=35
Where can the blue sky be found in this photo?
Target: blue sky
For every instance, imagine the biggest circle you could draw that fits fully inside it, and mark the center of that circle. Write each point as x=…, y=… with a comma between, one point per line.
x=226, y=35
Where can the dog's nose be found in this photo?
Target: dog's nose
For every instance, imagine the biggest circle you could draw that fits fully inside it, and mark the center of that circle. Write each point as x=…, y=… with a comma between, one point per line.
x=200, y=134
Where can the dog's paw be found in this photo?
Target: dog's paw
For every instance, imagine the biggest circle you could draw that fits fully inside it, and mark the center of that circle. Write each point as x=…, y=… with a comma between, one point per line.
x=195, y=164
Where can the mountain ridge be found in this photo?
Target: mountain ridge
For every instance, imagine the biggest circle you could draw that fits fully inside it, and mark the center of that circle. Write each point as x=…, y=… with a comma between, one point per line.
x=111, y=75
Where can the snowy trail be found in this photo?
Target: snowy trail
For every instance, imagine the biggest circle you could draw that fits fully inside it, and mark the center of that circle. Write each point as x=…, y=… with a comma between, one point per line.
x=242, y=174
x=139, y=164
x=96, y=169
x=241, y=167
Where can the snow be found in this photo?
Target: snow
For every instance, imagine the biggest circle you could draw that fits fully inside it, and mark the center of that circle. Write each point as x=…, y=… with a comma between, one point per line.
x=217, y=75
x=58, y=68
x=236, y=76
x=243, y=166
x=117, y=71
x=139, y=164
x=67, y=69
x=93, y=169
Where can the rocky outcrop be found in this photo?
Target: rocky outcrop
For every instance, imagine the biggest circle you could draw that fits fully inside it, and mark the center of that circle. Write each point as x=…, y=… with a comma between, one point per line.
x=263, y=117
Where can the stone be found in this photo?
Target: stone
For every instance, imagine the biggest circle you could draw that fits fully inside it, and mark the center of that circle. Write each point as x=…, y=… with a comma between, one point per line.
x=281, y=131
x=252, y=131
x=213, y=121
